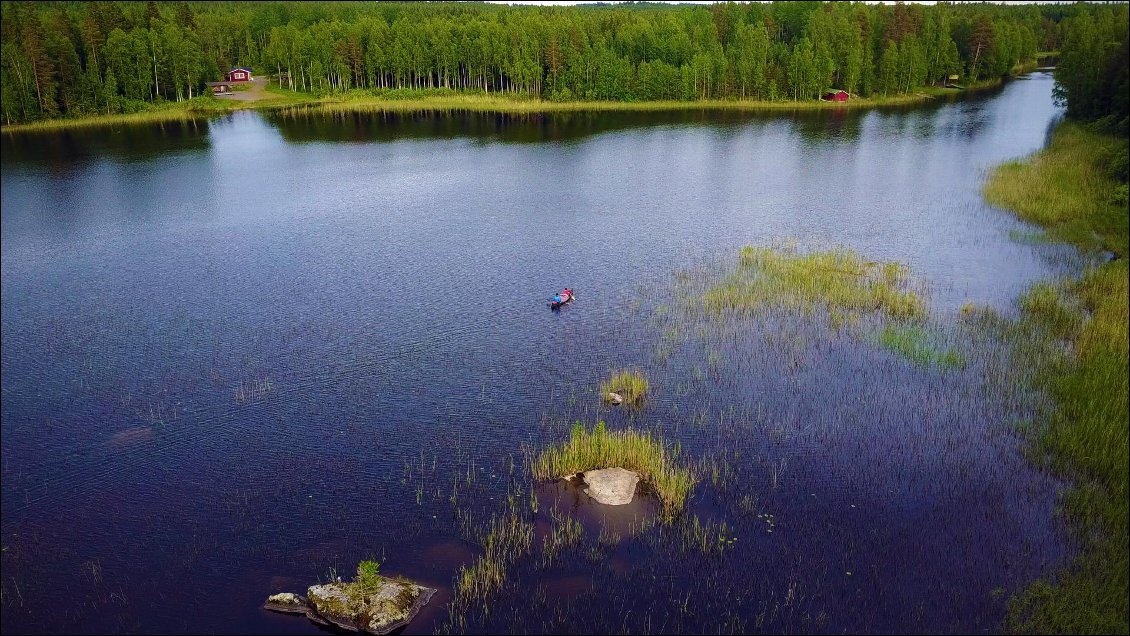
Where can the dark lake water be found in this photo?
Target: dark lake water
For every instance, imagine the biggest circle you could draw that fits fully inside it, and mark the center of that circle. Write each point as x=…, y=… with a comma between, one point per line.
x=239, y=353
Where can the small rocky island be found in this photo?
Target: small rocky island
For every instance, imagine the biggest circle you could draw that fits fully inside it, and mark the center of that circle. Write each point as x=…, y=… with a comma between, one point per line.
x=371, y=604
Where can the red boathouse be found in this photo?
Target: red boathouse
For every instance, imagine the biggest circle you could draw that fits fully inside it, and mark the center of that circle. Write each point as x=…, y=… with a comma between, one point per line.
x=836, y=96
x=241, y=74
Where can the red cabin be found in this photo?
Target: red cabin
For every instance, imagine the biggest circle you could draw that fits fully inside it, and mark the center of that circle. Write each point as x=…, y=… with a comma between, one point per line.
x=836, y=96
x=240, y=74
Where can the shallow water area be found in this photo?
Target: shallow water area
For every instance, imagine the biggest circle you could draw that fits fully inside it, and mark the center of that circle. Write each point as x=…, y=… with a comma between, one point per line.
x=244, y=354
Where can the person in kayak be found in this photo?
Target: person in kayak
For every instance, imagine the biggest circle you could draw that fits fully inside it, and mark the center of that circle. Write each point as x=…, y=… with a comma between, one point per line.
x=557, y=299
x=567, y=294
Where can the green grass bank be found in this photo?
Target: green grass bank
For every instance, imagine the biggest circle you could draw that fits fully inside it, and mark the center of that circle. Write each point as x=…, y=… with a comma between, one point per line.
x=1072, y=188
x=443, y=100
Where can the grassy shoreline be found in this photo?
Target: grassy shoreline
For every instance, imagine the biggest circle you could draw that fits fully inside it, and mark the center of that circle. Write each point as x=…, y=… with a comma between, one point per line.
x=1068, y=189
x=445, y=101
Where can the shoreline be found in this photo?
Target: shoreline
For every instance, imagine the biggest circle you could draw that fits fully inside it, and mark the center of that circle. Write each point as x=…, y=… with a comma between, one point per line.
x=424, y=101
x=1075, y=338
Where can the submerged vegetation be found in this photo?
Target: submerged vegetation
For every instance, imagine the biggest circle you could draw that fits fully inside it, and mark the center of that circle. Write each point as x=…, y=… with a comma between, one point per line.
x=628, y=383
x=507, y=538
x=655, y=461
x=918, y=344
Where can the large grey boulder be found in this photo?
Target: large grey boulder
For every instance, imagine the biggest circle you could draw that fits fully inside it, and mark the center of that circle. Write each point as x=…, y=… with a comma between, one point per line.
x=611, y=486
x=380, y=609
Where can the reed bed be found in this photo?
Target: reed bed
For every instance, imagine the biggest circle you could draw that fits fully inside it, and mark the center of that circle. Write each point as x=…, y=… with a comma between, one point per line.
x=839, y=280
x=628, y=383
x=654, y=460
x=440, y=101
x=199, y=108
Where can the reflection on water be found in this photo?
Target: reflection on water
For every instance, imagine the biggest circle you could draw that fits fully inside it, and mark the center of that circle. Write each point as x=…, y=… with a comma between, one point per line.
x=233, y=360
x=124, y=142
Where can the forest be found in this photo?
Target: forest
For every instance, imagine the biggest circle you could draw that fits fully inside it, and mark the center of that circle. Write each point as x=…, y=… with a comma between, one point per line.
x=65, y=59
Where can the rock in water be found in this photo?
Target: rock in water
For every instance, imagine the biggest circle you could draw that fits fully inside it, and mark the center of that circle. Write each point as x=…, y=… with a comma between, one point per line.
x=615, y=398
x=288, y=602
x=389, y=605
x=611, y=486
x=386, y=606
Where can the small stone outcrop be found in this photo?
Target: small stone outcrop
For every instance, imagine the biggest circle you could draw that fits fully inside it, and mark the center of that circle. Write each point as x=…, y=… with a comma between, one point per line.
x=611, y=486
x=614, y=398
x=378, y=609
x=287, y=602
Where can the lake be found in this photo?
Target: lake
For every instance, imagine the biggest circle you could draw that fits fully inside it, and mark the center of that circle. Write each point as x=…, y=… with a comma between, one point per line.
x=241, y=355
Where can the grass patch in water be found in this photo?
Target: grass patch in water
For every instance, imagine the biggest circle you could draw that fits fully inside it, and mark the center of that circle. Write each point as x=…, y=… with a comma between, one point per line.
x=916, y=344
x=654, y=460
x=1073, y=340
x=838, y=281
x=629, y=384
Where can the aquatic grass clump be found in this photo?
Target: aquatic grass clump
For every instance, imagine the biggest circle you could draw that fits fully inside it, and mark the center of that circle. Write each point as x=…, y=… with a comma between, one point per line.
x=917, y=344
x=838, y=281
x=629, y=384
x=654, y=460
x=566, y=533
x=508, y=538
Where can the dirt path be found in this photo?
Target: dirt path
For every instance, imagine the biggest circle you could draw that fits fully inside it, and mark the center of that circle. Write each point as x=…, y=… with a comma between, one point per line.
x=257, y=91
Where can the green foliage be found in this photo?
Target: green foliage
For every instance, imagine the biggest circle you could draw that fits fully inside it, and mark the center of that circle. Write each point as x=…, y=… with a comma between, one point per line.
x=100, y=57
x=368, y=576
x=1092, y=76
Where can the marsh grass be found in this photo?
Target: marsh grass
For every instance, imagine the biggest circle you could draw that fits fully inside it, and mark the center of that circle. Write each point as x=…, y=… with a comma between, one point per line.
x=920, y=346
x=442, y=101
x=655, y=461
x=1073, y=339
x=1068, y=188
x=196, y=108
x=628, y=383
x=839, y=282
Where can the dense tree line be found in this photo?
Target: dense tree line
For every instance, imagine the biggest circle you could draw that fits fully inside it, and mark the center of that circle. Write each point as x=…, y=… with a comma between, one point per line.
x=73, y=58
x=1093, y=74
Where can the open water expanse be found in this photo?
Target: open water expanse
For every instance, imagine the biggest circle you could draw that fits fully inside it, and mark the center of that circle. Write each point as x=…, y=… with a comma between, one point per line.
x=240, y=353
